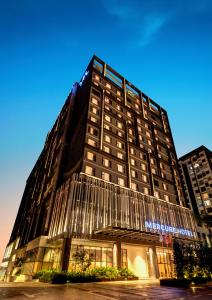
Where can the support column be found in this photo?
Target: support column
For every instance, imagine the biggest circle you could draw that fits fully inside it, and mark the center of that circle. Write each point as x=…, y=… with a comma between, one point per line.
x=118, y=254
x=155, y=261
x=66, y=252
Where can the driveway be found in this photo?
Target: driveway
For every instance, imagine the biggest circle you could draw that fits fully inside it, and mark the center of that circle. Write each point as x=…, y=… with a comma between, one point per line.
x=135, y=290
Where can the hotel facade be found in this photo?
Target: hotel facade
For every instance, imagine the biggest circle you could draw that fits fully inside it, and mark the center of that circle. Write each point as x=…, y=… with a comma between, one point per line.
x=106, y=181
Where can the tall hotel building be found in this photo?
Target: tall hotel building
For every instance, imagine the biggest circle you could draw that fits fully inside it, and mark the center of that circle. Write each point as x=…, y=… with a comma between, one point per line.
x=196, y=173
x=107, y=181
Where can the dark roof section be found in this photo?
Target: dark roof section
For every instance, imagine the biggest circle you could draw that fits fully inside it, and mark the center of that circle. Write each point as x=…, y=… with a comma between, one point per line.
x=195, y=151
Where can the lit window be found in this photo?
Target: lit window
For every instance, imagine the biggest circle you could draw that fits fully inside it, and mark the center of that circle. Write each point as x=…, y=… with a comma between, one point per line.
x=153, y=171
x=166, y=197
x=129, y=114
x=108, y=85
x=107, y=100
x=93, y=119
x=121, y=181
x=118, y=107
x=139, y=128
x=133, y=173
x=137, y=106
x=94, y=110
x=120, y=155
x=92, y=131
x=146, y=125
x=152, y=161
x=146, y=191
x=138, y=121
x=149, y=142
x=106, y=126
x=107, y=138
x=96, y=77
x=120, y=125
x=155, y=131
x=107, y=107
x=133, y=186
x=120, y=168
x=144, y=178
x=89, y=170
x=147, y=134
x=118, y=93
x=164, y=187
x=106, y=176
x=106, y=149
x=132, y=162
x=120, y=145
x=130, y=140
x=132, y=151
x=131, y=131
x=106, y=162
x=92, y=142
x=143, y=167
x=94, y=101
x=120, y=133
x=156, y=194
x=91, y=156
x=107, y=118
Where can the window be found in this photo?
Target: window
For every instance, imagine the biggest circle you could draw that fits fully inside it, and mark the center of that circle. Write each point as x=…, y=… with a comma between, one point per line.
x=144, y=177
x=108, y=138
x=94, y=101
x=120, y=145
x=89, y=170
x=108, y=85
x=120, y=155
x=107, y=118
x=153, y=171
x=149, y=142
x=131, y=131
x=121, y=181
x=94, y=110
x=146, y=191
x=93, y=119
x=93, y=131
x=120, y=125
x=91, y=156
x=107, y=100
x=96, y=77
x=132, y=162
x=107, y=107
x=165, y=187
x=92, y=142
x=129, y=114
x=156, y=194
x=118, y=107
x=118, y=93
x=147, y=134
x=134, y=173
x=166, y=197
x=143, y=167
x=106, y=162
x=106, y=149
x=106, y=176
x=132, y=151
x=152, y=161
x=120, y=168
x=133, y=186
x=107, y=127
x=156, y=182
x=120, y=133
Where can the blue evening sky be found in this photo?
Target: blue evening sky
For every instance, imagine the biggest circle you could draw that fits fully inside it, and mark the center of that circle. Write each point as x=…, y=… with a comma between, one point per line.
x=164, y=47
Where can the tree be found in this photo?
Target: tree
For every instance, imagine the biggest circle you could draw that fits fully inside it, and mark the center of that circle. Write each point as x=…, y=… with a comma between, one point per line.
x=178, y=259
x=83, y=259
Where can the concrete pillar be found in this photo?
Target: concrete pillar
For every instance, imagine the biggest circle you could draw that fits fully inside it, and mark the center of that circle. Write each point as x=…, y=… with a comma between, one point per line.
x=66, y=252
x=118, y=254
x=155, y=261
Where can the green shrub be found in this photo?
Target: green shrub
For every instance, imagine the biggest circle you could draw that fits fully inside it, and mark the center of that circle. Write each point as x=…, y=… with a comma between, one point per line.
x=59, y=277
x=125, y=273
x=200, y=279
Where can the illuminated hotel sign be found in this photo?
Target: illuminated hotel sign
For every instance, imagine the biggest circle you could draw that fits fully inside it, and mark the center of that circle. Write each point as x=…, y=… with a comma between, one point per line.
x=168, y=229
x=83, y=77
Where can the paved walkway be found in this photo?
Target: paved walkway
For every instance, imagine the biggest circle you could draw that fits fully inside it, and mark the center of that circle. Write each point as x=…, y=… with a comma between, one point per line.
x=135, y=290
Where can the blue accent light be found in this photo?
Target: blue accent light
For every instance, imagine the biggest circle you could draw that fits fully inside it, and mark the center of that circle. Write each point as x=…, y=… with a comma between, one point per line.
x=83, y=77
